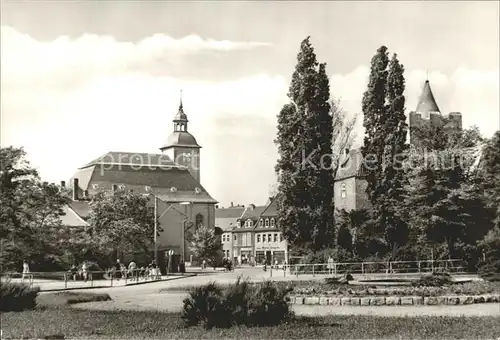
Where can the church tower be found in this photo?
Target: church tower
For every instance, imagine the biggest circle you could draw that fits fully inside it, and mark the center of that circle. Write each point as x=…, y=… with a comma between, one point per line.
x=181, y=146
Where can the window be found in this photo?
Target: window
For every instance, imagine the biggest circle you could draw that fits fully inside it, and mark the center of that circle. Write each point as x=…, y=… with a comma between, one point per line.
x=264, y=238
x=273, y=222
x=269, y=237
x=261, y=223
x=234, y=238
x=173, y=189
x=249, y=223
x=275, y=237
x=258, y=238
x=281, y=237
x=238, y=224
x=343, y=191
x=267, y=222
x=199, y=220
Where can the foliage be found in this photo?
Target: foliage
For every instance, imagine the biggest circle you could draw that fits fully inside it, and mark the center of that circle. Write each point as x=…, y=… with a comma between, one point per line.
x=491, y=174
x=122, y=220
x=489, y=269
x=343, y=134
x=204, y=243
x=17, y=296
x=30, y=214
x=59, y=299
x=241, y=303
x=304, y=167
x=433, y=280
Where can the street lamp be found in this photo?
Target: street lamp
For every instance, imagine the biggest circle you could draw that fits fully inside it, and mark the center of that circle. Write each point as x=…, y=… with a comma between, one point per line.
x=156, y=218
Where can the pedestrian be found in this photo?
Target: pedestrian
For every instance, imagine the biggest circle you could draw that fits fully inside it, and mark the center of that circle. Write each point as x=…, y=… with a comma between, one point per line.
x=117, y=269
x=132, y=269
x=85, y=271
x=26, y=270
x=330, y=265
x=73, y=271
x=204, y=264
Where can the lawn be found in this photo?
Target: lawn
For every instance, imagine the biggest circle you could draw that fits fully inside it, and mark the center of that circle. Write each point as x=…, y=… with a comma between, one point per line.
x=69, y=322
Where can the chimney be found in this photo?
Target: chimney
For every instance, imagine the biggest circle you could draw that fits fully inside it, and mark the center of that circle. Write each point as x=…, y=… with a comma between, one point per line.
x=63, y=184
x=75, y=189
x=231, y=204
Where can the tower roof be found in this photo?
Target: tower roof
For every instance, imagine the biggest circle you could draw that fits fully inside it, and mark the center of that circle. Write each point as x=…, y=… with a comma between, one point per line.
x=180, y=116
x=427, y=103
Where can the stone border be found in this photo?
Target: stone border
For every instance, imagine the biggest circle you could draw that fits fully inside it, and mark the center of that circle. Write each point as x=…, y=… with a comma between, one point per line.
x=393, y=300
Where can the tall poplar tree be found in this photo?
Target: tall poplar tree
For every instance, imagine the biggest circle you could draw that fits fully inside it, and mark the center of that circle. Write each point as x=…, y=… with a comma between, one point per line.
x=304, y=167
x=385, y=147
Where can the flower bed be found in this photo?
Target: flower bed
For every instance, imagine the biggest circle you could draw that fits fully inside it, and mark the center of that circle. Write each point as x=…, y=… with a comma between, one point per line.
x=310, y=288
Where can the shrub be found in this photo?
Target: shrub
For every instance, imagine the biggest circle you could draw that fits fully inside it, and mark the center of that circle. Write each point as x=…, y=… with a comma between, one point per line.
x=241, y=303
x=490, y=271
x=17, y=296
x=433, y=280
x=200, y=307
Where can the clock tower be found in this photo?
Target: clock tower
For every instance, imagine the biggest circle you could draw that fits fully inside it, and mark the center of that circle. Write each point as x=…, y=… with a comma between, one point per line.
x=181, y=146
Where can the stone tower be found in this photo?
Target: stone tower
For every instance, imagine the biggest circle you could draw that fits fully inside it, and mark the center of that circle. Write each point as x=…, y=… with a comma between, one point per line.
x=181, y=146
x=427, y=112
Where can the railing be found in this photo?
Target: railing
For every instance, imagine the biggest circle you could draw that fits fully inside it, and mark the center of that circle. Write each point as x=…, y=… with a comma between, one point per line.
x=455, y=266
x=68, y=280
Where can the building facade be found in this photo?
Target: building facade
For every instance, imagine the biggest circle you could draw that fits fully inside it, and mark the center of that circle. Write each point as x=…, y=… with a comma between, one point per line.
x=171, y=178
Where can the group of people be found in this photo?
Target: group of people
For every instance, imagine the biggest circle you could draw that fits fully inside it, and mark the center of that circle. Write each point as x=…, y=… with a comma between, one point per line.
x=151, y=271
x=79, y=273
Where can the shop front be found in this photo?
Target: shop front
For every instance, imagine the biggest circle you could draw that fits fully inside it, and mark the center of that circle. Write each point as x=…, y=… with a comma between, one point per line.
x=269, y=255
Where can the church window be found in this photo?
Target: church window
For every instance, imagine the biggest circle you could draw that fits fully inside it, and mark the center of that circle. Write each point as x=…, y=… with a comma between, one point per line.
x=261, y=222
x=343, y=190
x=267, y=222
x=199, y=220
x=273, y=222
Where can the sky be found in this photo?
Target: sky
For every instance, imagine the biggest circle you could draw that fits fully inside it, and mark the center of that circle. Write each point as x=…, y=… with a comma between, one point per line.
x=79, y=79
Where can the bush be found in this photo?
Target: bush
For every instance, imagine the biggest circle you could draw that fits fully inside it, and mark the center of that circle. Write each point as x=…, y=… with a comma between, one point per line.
x=16, y=297
x=241, y=303
x=433, y=280
x=490, y=271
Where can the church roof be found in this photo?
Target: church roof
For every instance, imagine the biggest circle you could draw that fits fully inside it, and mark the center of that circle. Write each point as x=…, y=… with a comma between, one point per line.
x=149, y=174
x=427, y=103
x=181, y=138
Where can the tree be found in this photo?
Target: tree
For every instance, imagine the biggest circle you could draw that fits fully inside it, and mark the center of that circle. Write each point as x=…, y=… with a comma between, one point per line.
x=204, y=244
x=304, y=167
x=343, y=133
x=122, y=220
x=491, y=174
x=385, y=146
x=30, y=214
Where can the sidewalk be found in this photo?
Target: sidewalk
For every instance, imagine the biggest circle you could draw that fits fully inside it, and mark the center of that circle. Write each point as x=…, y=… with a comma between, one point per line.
x=60, y=285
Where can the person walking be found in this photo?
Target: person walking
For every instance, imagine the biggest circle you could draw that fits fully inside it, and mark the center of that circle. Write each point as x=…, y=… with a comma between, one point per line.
x=132, y=269
x=85, y=272
x=26, y=270
x=330, y=265
x=118, y=269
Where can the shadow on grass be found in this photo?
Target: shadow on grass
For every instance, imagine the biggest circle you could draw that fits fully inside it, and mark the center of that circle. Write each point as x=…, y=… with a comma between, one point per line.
x=69, y=298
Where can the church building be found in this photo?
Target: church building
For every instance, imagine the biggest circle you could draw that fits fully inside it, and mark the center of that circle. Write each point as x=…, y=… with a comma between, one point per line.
x=171, y=178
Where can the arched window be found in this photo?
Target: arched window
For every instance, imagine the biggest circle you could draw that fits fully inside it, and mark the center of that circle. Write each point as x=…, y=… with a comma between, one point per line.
x=343, y=190
x=249, y=223
x=261, y=222
x=238, y=223
x=273, y=222
x=199, y=220
x=267, y=222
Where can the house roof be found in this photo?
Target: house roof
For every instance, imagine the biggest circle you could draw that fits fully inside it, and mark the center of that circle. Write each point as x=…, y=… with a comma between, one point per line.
x=427, y=103
x=71, y=218
x=234, y=212
x=81, y=208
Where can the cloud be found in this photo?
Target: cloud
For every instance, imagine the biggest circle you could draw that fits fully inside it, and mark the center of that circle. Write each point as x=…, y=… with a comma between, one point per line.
x=70, y=101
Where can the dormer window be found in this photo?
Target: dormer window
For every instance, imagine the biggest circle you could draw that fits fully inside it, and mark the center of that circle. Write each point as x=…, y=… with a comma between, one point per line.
x=249, y=223
x=261, y=222
x=273, y=222
x=197, y=190
x=238, y=224
x=95, y=186
x=173, y=189
x=267, y=222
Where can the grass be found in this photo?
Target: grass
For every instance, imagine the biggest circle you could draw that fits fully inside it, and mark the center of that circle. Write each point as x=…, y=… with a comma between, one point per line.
x=68, y=322
x=68, y=298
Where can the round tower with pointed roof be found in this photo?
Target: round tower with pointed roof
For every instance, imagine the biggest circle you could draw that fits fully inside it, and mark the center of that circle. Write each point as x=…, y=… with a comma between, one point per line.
x=181, y=146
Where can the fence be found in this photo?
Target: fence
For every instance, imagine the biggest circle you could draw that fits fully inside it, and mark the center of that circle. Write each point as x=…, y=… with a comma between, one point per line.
x=68, y=280
x=390, y=267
